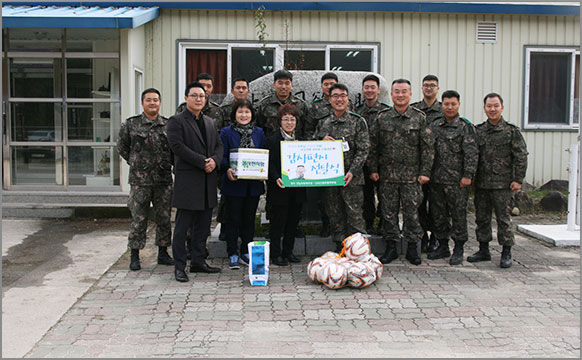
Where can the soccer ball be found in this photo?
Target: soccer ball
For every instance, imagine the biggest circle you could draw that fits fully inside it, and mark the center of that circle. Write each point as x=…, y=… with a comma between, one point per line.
x=333, y=275
x=360, y=275
x=357, y=246
x=374, y=264
x=314, y=266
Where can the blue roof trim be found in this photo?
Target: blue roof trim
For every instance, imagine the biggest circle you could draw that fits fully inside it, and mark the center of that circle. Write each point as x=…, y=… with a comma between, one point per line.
x=448, y=7
x=76, y=17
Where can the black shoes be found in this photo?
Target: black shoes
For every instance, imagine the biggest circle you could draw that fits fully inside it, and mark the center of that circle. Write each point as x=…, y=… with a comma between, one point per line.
x=181, y=275
x=390, y=254
x=412, y=254
x=441, y=252
x=458, y=252
x=506, y=257
x=280, y=261
x=292, y=258
x=134, y=264
x=163, y=256
x=482, y=255
x=204, y=268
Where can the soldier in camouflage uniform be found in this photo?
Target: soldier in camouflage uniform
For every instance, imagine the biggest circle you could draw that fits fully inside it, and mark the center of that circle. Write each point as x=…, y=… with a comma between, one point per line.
x=501, y=170
x=455, y=163
x=344, y=204
x=319, y=109
x=369, y=109
x=240, y=90
x=268, y=106
x=143, y=144
x=402, y=153
x=210, y=108
x=432, y=108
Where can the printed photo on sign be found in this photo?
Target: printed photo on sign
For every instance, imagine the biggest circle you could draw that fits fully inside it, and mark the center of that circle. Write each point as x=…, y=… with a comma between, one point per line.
x=312, y=163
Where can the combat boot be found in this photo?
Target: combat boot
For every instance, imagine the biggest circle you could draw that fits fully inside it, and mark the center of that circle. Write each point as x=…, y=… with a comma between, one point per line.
x=442, y=251
x=432, y=243
x=412, y=254
x=390, y=254
x=163, y=256
x=458, y=253
x=482, y=255
x=134, y=264
x=505, y=257
x=424, y=243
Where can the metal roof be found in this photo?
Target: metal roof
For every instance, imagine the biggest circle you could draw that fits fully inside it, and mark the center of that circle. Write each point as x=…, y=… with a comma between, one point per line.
x=77, y=17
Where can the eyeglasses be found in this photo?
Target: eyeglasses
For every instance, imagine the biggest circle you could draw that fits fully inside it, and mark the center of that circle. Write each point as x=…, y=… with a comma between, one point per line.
x=194, y=96
x=289, y=119
x=337, y=96
x=429, y=85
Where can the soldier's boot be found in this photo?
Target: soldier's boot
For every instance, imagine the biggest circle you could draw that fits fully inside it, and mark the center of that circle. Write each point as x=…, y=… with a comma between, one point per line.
x=134, y=264
x=432, y=242
x=442, y=251
x=324, y=227
x=424, y=243
x=390, y=254
x=163, y=256
x=458, y=253
x=482, y=255
x=505, y=257
x=412, y=254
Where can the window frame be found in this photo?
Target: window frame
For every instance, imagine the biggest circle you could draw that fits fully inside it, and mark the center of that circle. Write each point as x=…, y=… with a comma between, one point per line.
x=528, y=50
x=279, y=48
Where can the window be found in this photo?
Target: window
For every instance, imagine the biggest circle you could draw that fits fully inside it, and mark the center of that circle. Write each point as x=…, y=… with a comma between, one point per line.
x=551, y=88
x=64, y=109
x=250, y=60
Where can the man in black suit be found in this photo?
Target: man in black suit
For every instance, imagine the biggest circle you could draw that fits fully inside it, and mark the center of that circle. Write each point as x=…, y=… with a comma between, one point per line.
x=198, y=151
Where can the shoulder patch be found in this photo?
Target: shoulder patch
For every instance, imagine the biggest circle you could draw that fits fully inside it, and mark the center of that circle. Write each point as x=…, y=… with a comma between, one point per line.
x=466, y=120
x=353, y=113
x=387, y=105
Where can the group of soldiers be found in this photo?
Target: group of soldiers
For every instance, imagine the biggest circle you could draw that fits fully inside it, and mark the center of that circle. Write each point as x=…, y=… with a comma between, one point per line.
x=419, y=159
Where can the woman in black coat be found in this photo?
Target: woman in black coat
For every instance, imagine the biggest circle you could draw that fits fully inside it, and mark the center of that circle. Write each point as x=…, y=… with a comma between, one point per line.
x=284, y=203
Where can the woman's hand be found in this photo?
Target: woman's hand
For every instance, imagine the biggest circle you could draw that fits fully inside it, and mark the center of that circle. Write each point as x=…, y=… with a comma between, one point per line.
x=280, y=183
x=230, y=175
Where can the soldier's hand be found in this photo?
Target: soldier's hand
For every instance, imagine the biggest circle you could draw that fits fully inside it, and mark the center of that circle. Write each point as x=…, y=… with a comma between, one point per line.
x=374, y=176
x=465, y=182
x=230, y=175
x=209, y=165
x=327, y=137
x=280, y=183
x=423, y=179
x=348, y=178
x=515, y=186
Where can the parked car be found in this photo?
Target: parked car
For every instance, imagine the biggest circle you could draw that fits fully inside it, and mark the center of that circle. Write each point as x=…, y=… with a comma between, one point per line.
x=39, y=151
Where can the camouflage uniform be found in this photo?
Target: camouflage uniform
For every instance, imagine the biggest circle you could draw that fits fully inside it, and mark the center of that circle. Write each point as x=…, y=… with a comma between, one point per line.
x=344, y=204
x=502, y=160
x=432, y=113
x=267, y=113
x=455, y=157
x=402, y=149
x=370, y=187
x=319, y=109
x=143, y=143
x=209, y=109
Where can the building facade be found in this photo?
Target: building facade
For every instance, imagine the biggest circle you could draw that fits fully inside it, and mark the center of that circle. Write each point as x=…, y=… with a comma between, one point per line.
x=67, y=89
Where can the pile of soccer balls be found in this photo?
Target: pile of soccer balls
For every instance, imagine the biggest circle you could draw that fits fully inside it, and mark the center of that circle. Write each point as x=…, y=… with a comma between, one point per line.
x=355, y=266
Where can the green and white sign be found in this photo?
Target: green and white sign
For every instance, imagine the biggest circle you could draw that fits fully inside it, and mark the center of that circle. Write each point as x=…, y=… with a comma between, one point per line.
x=312, y=163
x=250, y=163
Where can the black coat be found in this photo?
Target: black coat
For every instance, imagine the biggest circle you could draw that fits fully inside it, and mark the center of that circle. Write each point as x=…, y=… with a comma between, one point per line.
x=194, y=189
x=275, y=195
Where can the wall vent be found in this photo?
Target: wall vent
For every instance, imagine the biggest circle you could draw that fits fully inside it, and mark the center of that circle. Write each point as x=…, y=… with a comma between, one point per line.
x=486, y=32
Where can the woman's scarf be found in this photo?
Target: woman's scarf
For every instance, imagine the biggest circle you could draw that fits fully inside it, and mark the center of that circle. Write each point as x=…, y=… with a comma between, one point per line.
x=287, y=137
x=245, y=131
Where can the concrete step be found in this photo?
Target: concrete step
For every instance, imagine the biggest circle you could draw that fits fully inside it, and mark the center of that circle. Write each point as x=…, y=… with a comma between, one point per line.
x=36, y=213
x=65, y=197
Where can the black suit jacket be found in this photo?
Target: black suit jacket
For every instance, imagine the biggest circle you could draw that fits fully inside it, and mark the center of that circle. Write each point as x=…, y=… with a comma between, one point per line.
x=276, y=195
x=194, y=189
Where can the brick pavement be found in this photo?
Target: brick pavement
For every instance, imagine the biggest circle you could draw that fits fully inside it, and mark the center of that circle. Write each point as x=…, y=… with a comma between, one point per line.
x=431, y=310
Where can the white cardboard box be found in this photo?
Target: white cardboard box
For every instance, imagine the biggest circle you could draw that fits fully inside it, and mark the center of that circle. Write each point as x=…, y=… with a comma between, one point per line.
x=250, y=163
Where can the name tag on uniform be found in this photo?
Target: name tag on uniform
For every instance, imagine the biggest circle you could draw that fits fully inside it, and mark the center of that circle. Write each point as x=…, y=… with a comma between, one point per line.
x=345, y=145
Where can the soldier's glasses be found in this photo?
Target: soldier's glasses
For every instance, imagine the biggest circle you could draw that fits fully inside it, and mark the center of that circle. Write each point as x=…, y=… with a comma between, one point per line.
x=338, y=96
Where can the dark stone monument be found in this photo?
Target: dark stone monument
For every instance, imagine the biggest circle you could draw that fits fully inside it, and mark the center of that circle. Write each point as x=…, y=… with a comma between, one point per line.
x=554, y=201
